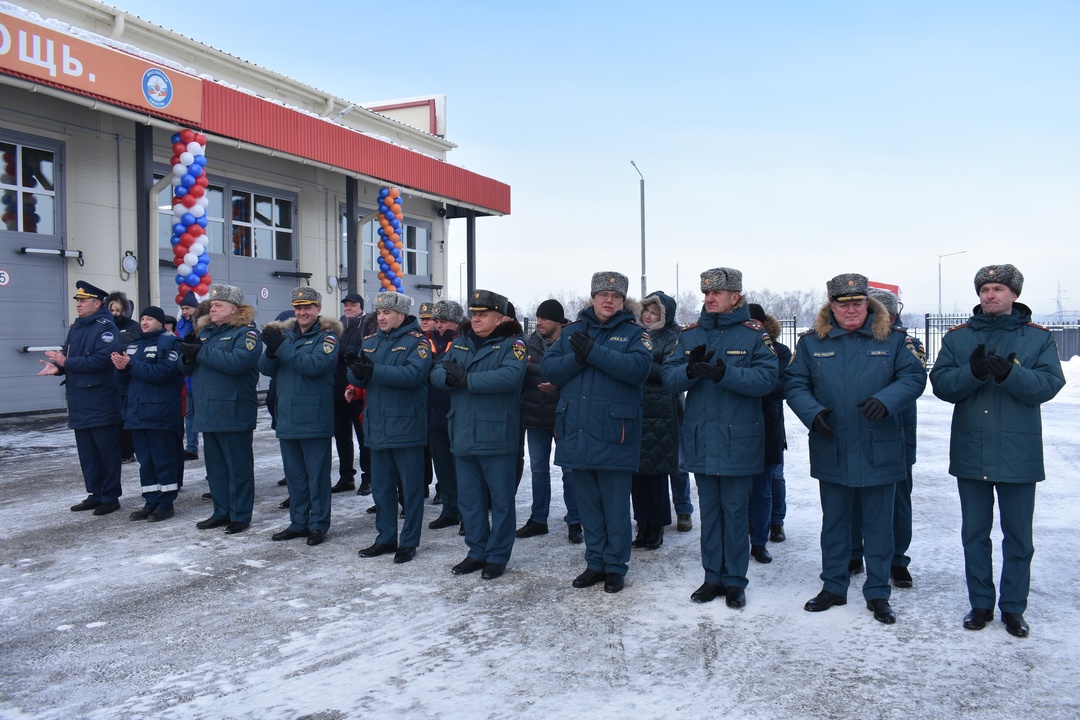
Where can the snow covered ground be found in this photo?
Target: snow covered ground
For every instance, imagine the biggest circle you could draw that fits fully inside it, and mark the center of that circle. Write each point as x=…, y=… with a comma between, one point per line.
x=101, y=617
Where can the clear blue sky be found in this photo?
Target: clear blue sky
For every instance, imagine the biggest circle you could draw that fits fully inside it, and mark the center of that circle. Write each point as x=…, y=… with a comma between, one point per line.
x=792, y=140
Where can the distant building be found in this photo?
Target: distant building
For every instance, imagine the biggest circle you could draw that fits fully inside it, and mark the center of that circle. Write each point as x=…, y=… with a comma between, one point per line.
x=89, y=101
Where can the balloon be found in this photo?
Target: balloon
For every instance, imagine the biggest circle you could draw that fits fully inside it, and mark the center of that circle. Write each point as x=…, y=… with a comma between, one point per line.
x=180, y=279
x=195, y=170
x=396, y=224
x=201, y=139
x=178, y=147
x=180, y=298
x=394, y=193
x=188, y=180
x=187, y=136
x=202, y=180
x=181, y=192
x=203, y=222
x=175, y=138
x=196, y=248
x=196, y=231
x=174, y=159
x=174, y=241
x=200, y=160
x=204, y=259
x=194, y=148
x=198, y=211
x=191, y=259
x=179, y=249
x=382, y=275
x=175, y=179
x=390, y=274
x=186, y=158
x=184, y=269
x=179, y=170
x=204, y=201
x=386, y=284
x=193, y=280
x=177, y=262
x=200, y=270
x=383, y=192
x=188, y=200
x=197, y=190
x=206, y=280
x=395, y=238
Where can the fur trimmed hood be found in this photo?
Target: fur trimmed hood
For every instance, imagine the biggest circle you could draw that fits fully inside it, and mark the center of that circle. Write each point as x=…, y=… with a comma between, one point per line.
x=326, y=324
x=663, y=305
x=772, y=326
x=245, y=315
x=880, y=323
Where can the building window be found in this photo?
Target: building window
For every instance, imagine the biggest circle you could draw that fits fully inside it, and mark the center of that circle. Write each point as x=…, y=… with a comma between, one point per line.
x=27, y=189
x=415, y=246
x=262, y=226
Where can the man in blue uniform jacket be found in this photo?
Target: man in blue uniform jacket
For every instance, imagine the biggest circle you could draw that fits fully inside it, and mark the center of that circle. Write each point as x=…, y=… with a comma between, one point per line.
x=393, y=367
x=483, y=371
x=223, y=359
x=93, y=396
x=154, y=382
x=301, y=353
x=997, y=368
x=849, y=381
x=600, y=363
x=725, y=364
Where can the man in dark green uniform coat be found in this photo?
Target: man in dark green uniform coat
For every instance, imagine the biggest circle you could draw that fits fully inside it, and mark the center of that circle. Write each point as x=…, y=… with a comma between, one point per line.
x=301, y=353
x=223, y=359
x=997, y=368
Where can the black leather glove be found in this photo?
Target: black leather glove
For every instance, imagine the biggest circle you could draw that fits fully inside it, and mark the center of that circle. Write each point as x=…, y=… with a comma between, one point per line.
x=873, y=408
x=713, y=372
x=272, y=338
x=363, y=368
x=582, y=344
x=455, y=374
x=978, y=362
x=695, y=357
x=350, y=357
x=998, y=366
x=821, y=423
x=190, y=347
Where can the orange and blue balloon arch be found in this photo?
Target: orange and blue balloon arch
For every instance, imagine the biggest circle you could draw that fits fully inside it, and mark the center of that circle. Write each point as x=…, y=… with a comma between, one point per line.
x=390, y=243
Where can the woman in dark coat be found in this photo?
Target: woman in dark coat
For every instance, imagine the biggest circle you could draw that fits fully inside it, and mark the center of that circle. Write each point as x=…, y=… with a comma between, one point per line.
x=659, y=428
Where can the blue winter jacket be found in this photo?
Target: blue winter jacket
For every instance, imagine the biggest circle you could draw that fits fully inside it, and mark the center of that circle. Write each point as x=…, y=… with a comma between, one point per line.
x=485, y=415
x=997, y=427
x=598, y=418
x=395, y=412
x=836, y=369
x=154, y=383
x=304, y=367
x=93, y=395
x=226, y=374
x=723, y=432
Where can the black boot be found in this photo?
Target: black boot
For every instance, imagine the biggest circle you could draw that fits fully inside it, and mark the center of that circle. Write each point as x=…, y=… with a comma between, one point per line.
x=642, y=536
x=655, y=538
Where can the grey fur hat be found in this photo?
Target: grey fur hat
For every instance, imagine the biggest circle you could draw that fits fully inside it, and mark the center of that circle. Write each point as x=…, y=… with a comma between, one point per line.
x=1007, y=275
x=886, y=298
x=721, y=278
x=306, y=296
x=482, y=300
x=613, y=281
x=449, y=310
x=226, y=293
x=393, y=301
x=848, y=286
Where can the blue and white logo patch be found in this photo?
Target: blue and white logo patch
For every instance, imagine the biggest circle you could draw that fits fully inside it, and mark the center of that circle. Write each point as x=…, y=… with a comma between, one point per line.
x=107, y=337
x=157, y=88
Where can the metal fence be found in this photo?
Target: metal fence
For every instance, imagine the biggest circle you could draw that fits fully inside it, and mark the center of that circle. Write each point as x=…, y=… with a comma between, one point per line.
x=1066, y=335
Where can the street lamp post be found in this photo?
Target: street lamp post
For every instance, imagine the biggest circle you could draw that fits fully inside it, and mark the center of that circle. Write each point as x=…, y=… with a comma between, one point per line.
x=643, y=289
x=461, y=283
x=958, y=252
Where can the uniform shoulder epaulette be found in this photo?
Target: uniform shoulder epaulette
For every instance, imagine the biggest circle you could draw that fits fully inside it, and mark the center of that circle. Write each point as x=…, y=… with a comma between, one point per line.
x=416, y=334
x=1037, y=325
x=957, y=327
x=899, y=329
x=368, y=337
x=809, y=331
x=103, y=321
x=692, y=325
x=754, y=325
